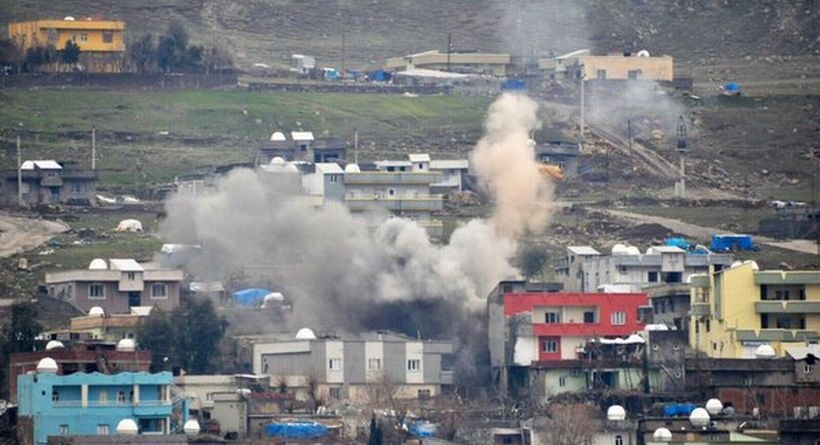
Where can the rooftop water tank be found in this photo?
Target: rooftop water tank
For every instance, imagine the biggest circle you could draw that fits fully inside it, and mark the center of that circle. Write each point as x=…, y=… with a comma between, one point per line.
x=662, y=435
x=98, y=264
x=616, y=412
x=765, y=351
x=54, y=344
x=191, y=427
x=127, y=427
x=714, y=406
x=305, y=334
x=126, y=345
x=699, y=417
x=96, y=311
x=47, y=364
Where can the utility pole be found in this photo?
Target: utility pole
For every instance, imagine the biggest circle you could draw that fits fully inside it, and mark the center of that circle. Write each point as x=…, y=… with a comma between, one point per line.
x=343, y=49
x=356, y=147
x=449, y=48
x=93, y=147
x=629, y=139
x=583, y=111
x=682, y=148
x=19, y=174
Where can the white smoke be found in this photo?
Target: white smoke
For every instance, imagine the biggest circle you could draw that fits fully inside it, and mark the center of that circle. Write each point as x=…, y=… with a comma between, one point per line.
x=337, y=266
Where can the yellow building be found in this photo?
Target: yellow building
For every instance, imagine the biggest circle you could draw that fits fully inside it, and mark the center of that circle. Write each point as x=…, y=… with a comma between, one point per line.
x=479, y=63
x=620, y=67
x=736, y=310
x=101, y=42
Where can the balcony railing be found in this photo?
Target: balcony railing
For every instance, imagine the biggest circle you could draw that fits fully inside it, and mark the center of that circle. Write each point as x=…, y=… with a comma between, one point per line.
x=395, y=203
x=701, y=309
x=787, y=307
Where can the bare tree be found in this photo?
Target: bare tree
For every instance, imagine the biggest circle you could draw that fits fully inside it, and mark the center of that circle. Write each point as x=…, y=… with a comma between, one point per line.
x=569, y=425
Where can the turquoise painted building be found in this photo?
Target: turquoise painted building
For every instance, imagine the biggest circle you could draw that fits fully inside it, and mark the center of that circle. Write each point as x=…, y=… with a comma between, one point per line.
x=93, y=404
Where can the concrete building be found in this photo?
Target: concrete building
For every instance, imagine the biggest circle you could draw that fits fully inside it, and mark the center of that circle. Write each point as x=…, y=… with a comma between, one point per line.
x=49, y=182
x=584, y=269
x=639, y=66
x=452, y=172
x=684, y=431
x=101, y=42
x=302, y=146
x=116, y=286
x=474, y=63
x=73, y=357
x=50, y=404
x=737, y=310
x=103, y=327
x=538, y=338
x=669, y=305
x=327, y=181
x=352, y=367
x=561, y=154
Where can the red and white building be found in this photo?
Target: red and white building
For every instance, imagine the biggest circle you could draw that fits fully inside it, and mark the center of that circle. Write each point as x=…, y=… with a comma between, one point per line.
x=539, y=337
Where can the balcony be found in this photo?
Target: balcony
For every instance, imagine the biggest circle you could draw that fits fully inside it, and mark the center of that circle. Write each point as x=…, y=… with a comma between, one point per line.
x=395, y=204
x=701, y=309
x=392, y=178
x=787, y=307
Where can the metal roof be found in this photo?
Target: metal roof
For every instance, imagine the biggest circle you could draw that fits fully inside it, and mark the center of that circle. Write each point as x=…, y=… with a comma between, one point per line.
x=41, y=164
x=583, y=250
x=419, y=157
x=302, y=135
x=125, y=265
x=450, y=164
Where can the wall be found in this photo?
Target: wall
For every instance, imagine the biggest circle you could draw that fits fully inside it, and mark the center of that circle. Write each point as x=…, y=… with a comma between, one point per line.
x=618, y=67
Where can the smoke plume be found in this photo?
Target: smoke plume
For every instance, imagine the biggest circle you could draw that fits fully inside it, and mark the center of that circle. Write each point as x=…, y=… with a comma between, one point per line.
x=504, y=160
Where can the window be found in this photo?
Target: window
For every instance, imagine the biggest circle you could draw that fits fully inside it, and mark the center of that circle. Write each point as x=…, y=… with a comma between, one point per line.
x=634, y=74
x=333, y=178
x=158, y=290
x=552, y=317
x=374, y=364
x=120, y=396
x=108, y=37
x=808, y=369
x=550, y=346
x=334, y=364
x=600, y=74
x=209, y=397
x=84, y=37
x=653, y=277
x=589, y=317
x=131, y=275
x=424, y=393
x=671, y=305
x=391, y=192
x=336, y=392
x=708, y=325
x=619, y=318
x=619, y=440
x=562, y=382
x=414, y=365
x=663, y=307
x=55, y=396
x=64, y=430
x=76, y=187
x=102, y=430
x=103, y=397
x=96, y=291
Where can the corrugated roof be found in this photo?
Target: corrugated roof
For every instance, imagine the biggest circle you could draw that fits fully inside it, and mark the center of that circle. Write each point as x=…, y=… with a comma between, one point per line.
x=329, y=168
x=450, y=164
x=302, y=135
x=583, y=250
x=419, y=157
x=41, y=164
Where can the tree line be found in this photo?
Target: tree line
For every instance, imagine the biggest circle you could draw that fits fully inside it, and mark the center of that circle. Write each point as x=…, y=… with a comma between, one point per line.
x=170, y=52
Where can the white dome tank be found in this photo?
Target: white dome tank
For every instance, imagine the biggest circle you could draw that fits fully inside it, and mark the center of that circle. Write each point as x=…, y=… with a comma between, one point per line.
x=643, y=53
x=699, y=417
x=616, y=412
x=632, y=250
x=277, y=136
x=352, y=168
x=765, y=351
x=714, y=407
x=620, y=249
x=191, y=427
x=126, y=345
x=662, y=435
x=279, y=161
x=47, y=364
x=305, y=334
x=96, y=311
x=98, y=264
x=54, y=344
x=127, y=427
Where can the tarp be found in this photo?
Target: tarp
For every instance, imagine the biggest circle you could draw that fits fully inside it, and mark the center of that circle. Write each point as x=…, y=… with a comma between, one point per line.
x=297, y=430
x=380, y=76
x=250, y=297
x=678, y=242
x=732, y=87
x=678, y=409
x=423, y=429
x=728, y=243
x=514, y=85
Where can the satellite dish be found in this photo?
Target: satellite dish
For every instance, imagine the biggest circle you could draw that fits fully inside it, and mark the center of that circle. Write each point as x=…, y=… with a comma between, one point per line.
x=643, y=53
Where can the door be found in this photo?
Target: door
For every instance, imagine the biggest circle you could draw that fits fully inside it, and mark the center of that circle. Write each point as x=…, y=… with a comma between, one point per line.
x=134, y=299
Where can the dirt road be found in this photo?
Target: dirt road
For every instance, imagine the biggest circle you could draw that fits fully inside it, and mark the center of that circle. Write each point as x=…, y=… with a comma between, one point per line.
x=705, y=233
x=20, y=234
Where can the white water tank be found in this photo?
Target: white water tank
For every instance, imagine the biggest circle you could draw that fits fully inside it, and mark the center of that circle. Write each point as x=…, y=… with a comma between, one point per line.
x=126, y=345
x=765, y=351
x=127, y=427
x=54, y=344
x=699, y=417
x=714, y=406
x=96, y=311
x=305, y=334
x=616, y=412
x=47, y=364
x=191, y=427
x=662, y=435
x=98, y=264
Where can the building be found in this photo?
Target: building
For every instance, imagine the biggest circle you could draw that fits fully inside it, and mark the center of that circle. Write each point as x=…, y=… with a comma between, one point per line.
x=473, y=63
x=353, y=367
x=78, y=357
x=49, y=182
x=103, y=327
x=302, y=146
x=561, y=154
x=737, y=310
x=101, y=42
x=539, y=338
x=799, y=431
x=665, y=430
x=452, y=172
x=82, y=403
x=584, y=269
x=669, y=305
x=116, y=286
x=624, y=66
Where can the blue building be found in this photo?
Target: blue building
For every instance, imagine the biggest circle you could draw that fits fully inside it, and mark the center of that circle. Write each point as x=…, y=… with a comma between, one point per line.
x=93, y=404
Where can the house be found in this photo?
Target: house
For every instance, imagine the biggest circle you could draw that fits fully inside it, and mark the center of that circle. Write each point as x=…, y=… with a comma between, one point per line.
x=327, y=181
x=225, y=399
x=624, y=66
x=669, y=304
x=737, y=310
x=352, y=367
x=75, y=356
x=452, y=172
x=464, y=62
x=49, y=182
x=103, y=327
x=585, y=269
x=101, y=42
x=664, y=430
x=538, y=338
x=561, y=154
x=116, y=286
x=50, y=404
x=302, y=146
x=303, y=63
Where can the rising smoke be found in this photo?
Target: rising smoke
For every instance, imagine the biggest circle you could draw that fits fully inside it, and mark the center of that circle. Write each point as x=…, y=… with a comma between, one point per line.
x=351, y=272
